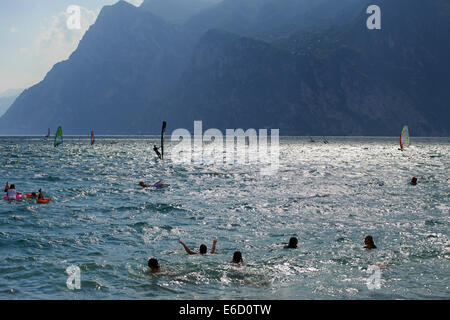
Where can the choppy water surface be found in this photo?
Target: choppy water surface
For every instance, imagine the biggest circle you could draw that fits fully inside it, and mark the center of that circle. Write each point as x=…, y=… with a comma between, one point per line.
x=330, y=196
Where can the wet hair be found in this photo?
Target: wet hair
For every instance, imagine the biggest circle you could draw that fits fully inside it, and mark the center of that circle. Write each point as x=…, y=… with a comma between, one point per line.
x=12, y=186
x=153, y=263
x=237, y=257
x=293, y=243
x=369, y=244
x=413, y=180
x=203, y=249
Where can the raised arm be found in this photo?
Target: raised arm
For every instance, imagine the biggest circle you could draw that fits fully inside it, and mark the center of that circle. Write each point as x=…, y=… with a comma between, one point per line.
x=186, y=248
x=214, y=246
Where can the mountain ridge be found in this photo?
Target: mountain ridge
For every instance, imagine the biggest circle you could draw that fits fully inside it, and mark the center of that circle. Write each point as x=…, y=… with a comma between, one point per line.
x=133, y=69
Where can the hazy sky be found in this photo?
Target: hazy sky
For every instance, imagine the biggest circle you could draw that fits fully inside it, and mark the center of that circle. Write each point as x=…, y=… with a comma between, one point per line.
x=34, y=36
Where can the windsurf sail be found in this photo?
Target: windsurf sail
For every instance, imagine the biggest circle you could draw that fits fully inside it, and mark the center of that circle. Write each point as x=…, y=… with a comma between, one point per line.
x=163, y=132
x=48, y=134
x=58, y=137
x=404, y=138
x=92, y=137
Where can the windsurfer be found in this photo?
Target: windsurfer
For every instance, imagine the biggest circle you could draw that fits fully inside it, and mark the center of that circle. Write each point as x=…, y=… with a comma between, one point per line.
x=156, y=149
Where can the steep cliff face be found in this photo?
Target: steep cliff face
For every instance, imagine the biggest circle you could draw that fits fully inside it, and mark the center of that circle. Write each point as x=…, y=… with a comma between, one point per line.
x=341, y=81
x=235, y=81
x=7, y=98
x=126, y=60
x=133, y=69
x=387, y=77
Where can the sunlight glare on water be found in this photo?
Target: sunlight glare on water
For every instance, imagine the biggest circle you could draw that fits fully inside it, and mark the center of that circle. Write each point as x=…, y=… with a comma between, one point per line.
x=329, y=196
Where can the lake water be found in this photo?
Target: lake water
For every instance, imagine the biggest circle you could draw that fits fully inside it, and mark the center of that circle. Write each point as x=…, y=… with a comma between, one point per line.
x=329, y=196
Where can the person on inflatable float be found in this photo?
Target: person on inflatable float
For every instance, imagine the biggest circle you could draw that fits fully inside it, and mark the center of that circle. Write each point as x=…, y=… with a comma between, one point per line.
x=12, y=192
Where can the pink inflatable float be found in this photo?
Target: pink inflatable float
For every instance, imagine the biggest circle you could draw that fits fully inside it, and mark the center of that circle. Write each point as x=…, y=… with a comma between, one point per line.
x=18, y=197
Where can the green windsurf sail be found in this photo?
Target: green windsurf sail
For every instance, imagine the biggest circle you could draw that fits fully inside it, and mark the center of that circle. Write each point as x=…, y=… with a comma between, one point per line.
x=58, y=137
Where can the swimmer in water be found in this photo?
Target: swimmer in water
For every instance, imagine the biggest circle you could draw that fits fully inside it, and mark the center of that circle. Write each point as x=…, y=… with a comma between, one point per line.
x=12, y=193
x=369, y=244
x=142, y=184
x=154, y=265
x=413, y=181
x=237, y=257
x=292, y=243
x=203, y=249
x=6, y=187
x=159, y=184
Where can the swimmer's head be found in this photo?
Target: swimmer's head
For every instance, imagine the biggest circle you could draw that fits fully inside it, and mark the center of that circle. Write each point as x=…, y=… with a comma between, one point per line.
x=414, y=181
x=153, y=264
x=237, y=257
x=293, y=243
x=369, y=244
x=203, y=249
